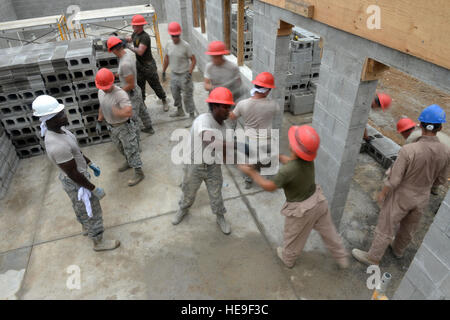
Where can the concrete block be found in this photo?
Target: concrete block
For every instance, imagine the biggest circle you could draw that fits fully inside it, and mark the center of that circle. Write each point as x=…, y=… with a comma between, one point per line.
x=437, y=242
x=25, y=141
x=405, y=290
x=432, y=265
x=302, y=103
x=444, y=287
x=30, y=151
x=16, y=109
x=15, y=122
x=419, y=278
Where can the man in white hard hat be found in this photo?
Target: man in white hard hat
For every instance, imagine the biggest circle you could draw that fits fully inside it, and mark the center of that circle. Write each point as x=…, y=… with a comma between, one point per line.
x=63, y=150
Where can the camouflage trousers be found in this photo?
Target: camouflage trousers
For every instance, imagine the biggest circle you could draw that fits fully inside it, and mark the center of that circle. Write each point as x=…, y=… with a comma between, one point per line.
x=139, y=108
x=126, y=140
x=149, y=73
x=181, y=83
x=93, y=225
x=194, y=175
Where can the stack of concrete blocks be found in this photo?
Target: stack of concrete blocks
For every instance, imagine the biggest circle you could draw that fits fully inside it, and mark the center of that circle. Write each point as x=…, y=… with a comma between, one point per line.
x=381, y=148
x=248, y=32
x=303, y=72
x=8, y=162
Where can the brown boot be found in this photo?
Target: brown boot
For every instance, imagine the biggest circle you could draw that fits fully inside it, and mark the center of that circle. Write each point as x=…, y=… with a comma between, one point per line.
x=363, y=257
x=138, y=177
x=103, y=245
x=124, y=167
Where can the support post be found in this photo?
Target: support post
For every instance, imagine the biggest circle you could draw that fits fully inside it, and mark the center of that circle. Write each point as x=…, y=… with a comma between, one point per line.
x=240, y=33
x=202, y=15
x=226, y=23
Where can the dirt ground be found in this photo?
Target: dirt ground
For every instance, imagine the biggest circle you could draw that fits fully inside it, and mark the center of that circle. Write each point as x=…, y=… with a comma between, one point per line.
x=409, y=97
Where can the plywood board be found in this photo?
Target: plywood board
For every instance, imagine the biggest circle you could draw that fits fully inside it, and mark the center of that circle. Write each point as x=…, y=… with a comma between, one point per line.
x=416, y=27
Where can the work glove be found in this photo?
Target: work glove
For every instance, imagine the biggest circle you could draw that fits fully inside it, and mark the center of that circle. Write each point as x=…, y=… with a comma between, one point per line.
x=98, y=192
x=95, y=168
x=164, y=77
x=98, y=128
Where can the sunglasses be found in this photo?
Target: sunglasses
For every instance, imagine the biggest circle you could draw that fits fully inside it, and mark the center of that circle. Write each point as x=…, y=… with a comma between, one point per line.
x=175, y=36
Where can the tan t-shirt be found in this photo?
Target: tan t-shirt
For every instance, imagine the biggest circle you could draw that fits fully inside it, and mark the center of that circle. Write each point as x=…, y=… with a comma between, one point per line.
x=63, y=147
x=257, y=114
x=179, y=56
x=117, y=98
x=225, y=75
x=127, y=66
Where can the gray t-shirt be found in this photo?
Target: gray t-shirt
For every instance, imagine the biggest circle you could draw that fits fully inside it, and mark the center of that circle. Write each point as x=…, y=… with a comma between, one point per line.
x=127, y=66
x=179, y=56
x=257, y=114
x=63, y=147
x=117, y=98
x=225, y=75
x=205, y=122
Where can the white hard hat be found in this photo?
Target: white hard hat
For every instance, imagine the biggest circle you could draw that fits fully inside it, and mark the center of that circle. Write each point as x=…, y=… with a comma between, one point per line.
x=45, y=105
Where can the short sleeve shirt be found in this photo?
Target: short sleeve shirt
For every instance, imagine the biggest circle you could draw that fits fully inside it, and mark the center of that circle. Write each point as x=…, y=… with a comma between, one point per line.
x=225, y=75
x=63, y=147
x=117, y=98
x=143, y=38
x=127, y=67
x=179, y=56
x=297, y=180
x=257, y=114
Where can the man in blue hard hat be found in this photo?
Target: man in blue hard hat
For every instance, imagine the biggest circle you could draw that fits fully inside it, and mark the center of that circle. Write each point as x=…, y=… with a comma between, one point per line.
x=406, y=190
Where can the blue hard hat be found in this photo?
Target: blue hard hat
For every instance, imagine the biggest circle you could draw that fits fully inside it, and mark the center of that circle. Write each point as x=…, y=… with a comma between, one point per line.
x=432, y=114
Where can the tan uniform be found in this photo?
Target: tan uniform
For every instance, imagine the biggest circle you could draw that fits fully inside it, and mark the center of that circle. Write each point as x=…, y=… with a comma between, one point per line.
x=417, y=133
x=418, y=166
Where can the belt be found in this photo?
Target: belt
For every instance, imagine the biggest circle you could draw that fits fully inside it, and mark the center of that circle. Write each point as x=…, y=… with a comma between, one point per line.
x=115, y=125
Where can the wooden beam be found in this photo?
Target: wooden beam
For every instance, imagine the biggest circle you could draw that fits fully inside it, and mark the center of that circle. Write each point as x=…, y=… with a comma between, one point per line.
x=226, y=23
x=301, y=8
x=202, y=16
x=285, y=29
x=240, y=33
x=372, y=70
x=195, y=13
x=416, y=27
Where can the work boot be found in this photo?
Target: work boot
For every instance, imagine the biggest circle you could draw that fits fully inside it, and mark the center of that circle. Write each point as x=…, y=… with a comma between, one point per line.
x=149, y=130
x=124, y=167
x=343, y=263
x=435, y=190
x=178, y=113
x=103, y=245
x=165, y=105
x=84, y=230
x=190, y=121
x=398, y=256
x=179, y=216
x=223, y=224
x=280, y=255
x=138, y=177
x=248, y=184
x=363, y=257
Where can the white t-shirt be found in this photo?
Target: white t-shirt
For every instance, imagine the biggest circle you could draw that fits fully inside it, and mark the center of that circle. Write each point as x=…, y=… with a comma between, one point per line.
x=127, y=66
x=257, y=114
x=179, y=56
x=205, y=122
x=63, y=147
x=225, y=75
x=117, y=98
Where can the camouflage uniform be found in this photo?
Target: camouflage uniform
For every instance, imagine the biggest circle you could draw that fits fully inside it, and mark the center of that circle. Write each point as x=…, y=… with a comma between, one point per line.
x=93, y=225
x=149, y=73
x=182, y=82
x=194, y=175
x=139, y=108
x=125, y=138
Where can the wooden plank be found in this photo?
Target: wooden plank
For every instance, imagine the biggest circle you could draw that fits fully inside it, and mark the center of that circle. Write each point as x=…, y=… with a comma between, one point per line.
x=285, y=29
x=372, y=70
x=416, y=27
x=202, y=16
x=240, y=33
x=303, y=9
x=226, y=23
x=195, y=13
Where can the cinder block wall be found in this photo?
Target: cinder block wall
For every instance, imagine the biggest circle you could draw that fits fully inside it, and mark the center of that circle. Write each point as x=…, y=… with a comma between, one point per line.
x=38, y=8
x=428, y=276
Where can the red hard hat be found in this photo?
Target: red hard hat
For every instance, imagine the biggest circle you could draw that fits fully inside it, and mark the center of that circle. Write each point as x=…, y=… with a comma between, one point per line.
x=221, y=95
x=405, y=124
x=112, y=42
x=385, y=100
x=174, y=29
x=304, y=141
x=104, y=79
x=264, y=79
x=138, y=20
x=217, y=48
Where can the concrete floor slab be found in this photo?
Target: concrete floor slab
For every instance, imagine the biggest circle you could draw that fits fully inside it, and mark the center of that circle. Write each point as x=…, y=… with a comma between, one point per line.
x=157, y=260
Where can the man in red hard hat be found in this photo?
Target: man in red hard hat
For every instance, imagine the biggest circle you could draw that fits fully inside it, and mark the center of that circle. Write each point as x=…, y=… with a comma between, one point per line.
x=145, y=64
x=205, y=126
x=116, y=109
x=258, y=112
x=128, y=82
x=306, y=207
x=178, y=54
x=383, y=101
